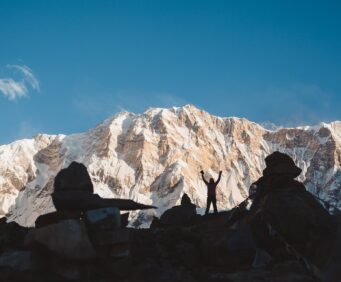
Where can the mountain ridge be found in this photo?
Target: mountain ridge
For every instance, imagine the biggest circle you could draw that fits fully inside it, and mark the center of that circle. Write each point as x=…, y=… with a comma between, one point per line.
x=155, y=157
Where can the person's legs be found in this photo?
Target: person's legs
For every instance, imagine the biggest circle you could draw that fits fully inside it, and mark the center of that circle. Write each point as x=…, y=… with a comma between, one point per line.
x=209, y=200
x=214, y=201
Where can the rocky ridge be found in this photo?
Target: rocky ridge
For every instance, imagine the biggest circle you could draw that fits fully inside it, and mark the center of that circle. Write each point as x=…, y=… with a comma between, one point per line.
x=155, y=157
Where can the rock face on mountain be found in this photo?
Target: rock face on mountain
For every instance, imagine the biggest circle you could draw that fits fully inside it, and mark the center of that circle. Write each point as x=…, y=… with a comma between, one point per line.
x=155, y=157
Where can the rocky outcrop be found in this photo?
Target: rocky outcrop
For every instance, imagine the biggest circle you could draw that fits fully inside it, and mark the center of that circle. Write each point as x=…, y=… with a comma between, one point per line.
x=278, y=239
x=284, y=215
x=155, y=157
x=204, y=250
x=181, y=215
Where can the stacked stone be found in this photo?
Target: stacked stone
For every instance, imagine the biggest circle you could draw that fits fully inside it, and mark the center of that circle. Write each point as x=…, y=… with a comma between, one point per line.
x=83, y=230
x=108, y=236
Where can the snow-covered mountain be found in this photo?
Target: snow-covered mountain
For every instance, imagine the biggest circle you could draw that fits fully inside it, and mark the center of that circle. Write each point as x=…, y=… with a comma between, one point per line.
x=156, y=156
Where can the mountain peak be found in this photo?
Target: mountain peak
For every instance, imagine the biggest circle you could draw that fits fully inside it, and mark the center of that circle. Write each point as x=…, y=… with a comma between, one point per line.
x=154, y=157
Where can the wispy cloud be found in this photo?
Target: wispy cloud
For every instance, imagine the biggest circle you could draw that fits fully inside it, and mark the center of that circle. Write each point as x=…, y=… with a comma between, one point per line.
x=12, y=89
x=18, y=82
x=28, y=75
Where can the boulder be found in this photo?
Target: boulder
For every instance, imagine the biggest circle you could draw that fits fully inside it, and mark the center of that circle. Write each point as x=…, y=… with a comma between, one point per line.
x=262, y=259
x=240, y=240
x=73, y=178
x=67, y=238
x=178, y=215
x=156, y=223
x=295, y=218
x=103, y=238
x=73, y=191
x=283, y=213
x=80, y=201
x=54, y=217
x=124, y=219
x=120, y=251
x=72, y=270
x=18, y=260
x=332, y=270
x=12, y=235
x=103, y=219
x=185, y=200
x=279, y=163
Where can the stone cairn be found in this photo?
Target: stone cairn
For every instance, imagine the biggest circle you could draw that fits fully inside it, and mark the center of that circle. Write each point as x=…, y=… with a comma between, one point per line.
x=84, y=227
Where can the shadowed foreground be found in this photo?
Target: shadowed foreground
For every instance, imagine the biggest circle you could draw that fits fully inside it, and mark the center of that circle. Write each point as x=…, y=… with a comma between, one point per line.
x=285, y=236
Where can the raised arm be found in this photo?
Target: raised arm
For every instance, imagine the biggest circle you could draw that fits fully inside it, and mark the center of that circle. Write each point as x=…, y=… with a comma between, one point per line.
x=203, y=177
x=218, y=180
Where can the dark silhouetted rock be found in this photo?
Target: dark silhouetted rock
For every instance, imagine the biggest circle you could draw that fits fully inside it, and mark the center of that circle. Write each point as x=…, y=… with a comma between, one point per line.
x=241, y=239
x=262, y=259
x=54, y=217
x=11, y=234
x=102, y=238
x=74, y=270
x=156, y=223
x=103, y=219
x=185, y=200
x=178, y=215
x=236, y=215
x=66, y=238
x=257, y=275
x=332, y=270
x=73, y=191
x=124, y=219
x=79, y=201
x=281, y=164
x=73, y=178
x=283, y=205
x=18, y=260
x=182, y=245
x=120, y=251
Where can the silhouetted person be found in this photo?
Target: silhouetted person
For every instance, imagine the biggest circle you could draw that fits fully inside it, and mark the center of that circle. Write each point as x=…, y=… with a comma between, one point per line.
x=211, y=192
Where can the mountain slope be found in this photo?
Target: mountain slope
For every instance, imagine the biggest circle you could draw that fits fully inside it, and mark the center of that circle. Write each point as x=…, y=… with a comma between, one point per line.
x=156, y=156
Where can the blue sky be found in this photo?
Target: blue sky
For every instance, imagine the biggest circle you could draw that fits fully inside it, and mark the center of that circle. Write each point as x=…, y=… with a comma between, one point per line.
x=67, y=65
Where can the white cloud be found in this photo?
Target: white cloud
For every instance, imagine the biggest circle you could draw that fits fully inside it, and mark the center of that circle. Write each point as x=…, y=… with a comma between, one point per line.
x=28, y=75
x=19, y=83
x=12, y=89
